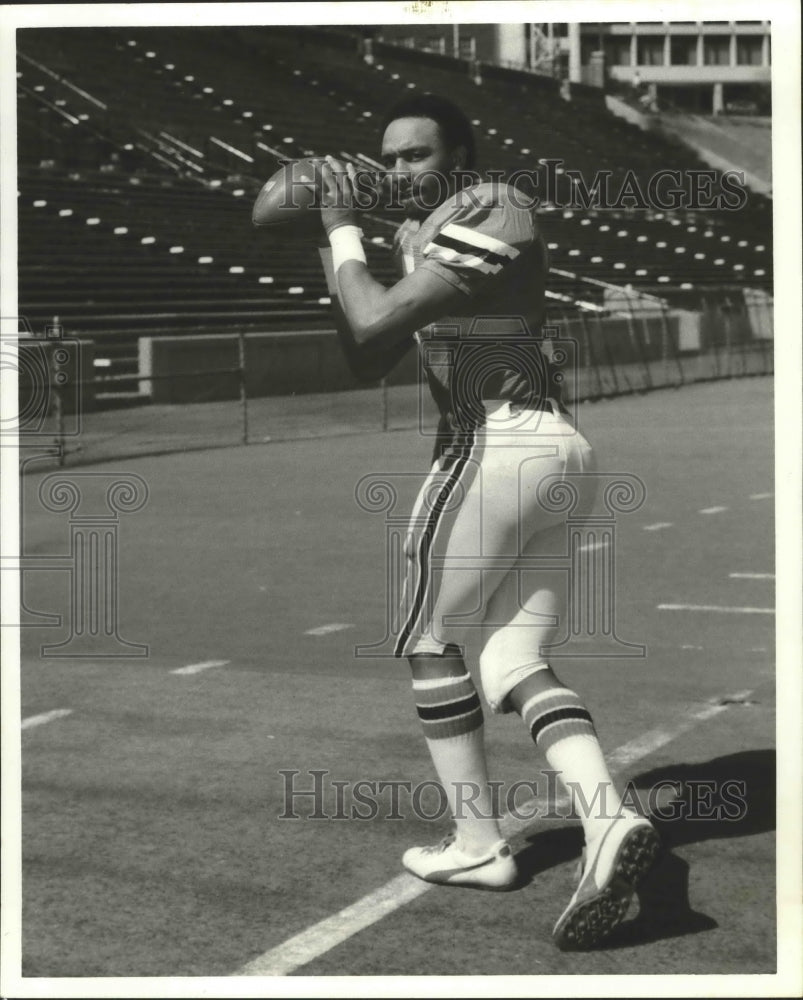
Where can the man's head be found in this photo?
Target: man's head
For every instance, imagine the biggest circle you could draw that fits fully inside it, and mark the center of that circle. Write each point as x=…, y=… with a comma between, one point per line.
x=426, y=139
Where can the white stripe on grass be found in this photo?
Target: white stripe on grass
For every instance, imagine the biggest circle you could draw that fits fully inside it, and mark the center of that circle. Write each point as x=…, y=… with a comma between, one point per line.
x=327, y=629
x=717, y=609
x=40, y=720
x=197, y=668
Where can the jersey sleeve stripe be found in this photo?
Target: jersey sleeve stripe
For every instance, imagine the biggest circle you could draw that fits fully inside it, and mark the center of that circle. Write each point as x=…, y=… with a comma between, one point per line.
x=441, y=241
x=477, y=239
x=436, y=252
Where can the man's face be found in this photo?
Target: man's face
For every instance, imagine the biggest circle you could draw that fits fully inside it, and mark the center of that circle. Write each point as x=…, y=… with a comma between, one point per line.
x=418, y=165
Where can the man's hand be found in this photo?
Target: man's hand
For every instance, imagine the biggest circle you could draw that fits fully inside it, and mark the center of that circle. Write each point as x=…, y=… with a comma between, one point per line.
x=377, y=319
x=344, y=191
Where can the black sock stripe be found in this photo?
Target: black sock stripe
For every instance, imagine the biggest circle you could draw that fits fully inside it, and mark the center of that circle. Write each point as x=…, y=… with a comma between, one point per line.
x=559, y=715
x=434, y=713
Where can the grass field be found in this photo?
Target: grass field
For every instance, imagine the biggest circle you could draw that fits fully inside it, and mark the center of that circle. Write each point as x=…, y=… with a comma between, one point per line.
x=152, y=837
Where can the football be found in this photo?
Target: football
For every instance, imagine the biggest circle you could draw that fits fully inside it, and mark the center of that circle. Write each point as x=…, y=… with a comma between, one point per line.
x=290, y=199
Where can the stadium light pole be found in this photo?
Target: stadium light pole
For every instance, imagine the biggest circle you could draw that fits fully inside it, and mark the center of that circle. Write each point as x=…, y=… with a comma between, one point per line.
x=456, y=40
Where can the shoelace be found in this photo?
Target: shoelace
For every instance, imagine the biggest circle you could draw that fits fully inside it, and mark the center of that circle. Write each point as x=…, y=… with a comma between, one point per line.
x=440, y=847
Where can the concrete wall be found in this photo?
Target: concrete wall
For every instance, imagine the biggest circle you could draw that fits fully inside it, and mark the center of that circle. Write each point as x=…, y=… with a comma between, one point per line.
x=511, y=44
x=276, y=364
x=279, y=364
x=693, y=74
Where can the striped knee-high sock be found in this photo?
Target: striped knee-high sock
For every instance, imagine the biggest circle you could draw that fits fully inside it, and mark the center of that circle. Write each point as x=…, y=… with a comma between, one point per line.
x=562, y=727
x=451, y=714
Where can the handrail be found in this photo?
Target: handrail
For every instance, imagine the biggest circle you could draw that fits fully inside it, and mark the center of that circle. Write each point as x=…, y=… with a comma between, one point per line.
x=49, y=104
x=231, y=149
x=64, y=80
x=606, y=284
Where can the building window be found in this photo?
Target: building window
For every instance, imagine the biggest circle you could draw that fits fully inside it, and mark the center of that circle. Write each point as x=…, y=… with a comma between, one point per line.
x=716, y=51
x=587, y=46
x=748, y=50
x=435, y=43
x=651, y=51
x=468, y=47
x=683, y=50
x=617, y=51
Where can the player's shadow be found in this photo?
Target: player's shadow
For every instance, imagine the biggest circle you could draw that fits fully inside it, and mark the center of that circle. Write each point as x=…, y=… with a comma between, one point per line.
x=692, y=803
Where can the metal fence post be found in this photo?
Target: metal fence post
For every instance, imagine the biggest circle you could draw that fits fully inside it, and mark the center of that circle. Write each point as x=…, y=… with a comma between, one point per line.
x=669, y=350
x=243, y=388
x=591, y=354
x=638, y=343
x=727, y=315
x=383, y=385
x=58, y=408
x=610, y=360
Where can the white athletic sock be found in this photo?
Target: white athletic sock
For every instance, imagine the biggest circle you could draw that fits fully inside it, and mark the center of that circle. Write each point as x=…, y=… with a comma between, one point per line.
x=584, y=772
x=562, y=727
x=451, y=714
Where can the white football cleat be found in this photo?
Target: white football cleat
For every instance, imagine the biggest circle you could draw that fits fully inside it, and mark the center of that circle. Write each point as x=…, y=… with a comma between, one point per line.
x=614, y=864
x=446, y=864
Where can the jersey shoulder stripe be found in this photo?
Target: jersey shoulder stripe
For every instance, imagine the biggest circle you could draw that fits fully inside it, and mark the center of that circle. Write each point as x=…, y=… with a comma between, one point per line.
x=443, y=249
x=479, y=239
x=455, y=251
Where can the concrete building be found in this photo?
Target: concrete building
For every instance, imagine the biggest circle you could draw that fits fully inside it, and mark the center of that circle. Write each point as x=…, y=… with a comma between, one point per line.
x=706, y=66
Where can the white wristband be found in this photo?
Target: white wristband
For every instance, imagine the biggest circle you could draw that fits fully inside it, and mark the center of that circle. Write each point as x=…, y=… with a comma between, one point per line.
x=346, y=244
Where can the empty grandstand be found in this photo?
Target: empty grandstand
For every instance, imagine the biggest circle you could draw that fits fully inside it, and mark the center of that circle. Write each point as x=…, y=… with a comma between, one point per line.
x=140, y=152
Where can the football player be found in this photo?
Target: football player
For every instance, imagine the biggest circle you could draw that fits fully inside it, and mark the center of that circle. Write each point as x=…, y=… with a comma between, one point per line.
x=471, y=296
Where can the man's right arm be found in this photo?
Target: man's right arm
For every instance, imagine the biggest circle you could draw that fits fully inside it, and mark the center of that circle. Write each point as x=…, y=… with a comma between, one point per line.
x=369, y=362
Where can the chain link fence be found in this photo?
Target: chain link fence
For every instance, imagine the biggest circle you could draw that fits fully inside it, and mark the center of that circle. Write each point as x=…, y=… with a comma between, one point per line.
x=68, y=413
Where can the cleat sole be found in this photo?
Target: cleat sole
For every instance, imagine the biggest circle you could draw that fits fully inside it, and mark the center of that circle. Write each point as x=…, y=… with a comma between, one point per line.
x=590, y=922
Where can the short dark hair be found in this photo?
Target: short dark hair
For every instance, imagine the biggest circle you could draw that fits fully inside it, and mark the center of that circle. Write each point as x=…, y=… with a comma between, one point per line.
x=455, y=127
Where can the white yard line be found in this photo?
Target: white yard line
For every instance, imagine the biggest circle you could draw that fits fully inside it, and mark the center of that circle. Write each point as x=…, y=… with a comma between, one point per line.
x=716, y=608
x=40, y=720
x=761, y=496
x=658, y=526
x=305, y=947
x=197, y=668
x=712, y=510
x=642, y=746
x=751, y=576
x=327, y=629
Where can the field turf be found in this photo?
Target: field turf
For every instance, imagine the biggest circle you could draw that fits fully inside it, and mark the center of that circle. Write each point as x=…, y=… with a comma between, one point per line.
x=152, y=838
